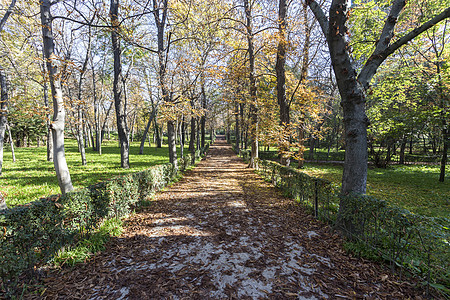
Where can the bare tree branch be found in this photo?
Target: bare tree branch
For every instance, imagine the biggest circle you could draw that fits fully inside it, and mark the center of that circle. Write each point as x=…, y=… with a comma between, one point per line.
x=383, y=49
x=9, y=11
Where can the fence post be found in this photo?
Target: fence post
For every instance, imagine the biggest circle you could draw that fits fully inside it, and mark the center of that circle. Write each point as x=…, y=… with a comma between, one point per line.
x=316, y=200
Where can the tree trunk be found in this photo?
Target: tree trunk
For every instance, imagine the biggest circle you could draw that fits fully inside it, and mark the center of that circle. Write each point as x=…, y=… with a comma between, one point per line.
x=62, y=171
x=192, y=138
x=172, y=144
x=197, y=128
x=3, y=112
x=144, y=135
x=301, y=137
x=80, y=123
x=445, y=129
x=11, y=143
x=203, y=117
x=119, y=103
x=281, y=84
x=158, y=136
x=162, y=52
x=312, y=146
x=402, y=152
x=411, y=146
x=353, y=98
x=241, y=117
x=253, y=99
x=180, y=138
x=446, y=136
x=352, y=86
x=236, y=128
x=80, y=138
x=47, y=118
x=183, y=130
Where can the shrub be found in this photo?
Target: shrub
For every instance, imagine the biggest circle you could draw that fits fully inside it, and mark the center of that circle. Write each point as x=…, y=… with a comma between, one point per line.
x=415, y=243
x=32, y=234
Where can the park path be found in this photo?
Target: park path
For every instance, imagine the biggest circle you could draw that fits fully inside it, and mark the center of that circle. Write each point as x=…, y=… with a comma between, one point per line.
x=222, y=232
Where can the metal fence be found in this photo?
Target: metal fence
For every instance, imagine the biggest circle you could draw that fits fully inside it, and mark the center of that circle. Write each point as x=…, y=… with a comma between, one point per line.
x=408, y=242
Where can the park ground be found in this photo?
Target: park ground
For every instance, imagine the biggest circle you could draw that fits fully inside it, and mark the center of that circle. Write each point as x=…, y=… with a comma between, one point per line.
x=222, y=232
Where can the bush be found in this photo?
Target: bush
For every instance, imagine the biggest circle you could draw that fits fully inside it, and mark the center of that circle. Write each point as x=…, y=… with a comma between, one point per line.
x=33, y=233
x=415, y=243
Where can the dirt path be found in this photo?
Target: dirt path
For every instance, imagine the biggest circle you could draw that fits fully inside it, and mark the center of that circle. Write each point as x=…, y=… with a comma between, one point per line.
x=223, y=233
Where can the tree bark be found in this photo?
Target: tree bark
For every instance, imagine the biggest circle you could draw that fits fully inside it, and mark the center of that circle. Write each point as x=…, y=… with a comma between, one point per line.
x=203, y=117
x=97, y=143
x=57, y=126
x=157, y=135
x=253, y=99
x=119, y=103
x=446, y=135
x=180, y=138
x=160, y=21
x=402, y=151
x=281, y=83
x=80, y=123
x=144, y=135
x=236, y=128
x=11, y=142
x=3, y=112
x=301, y=137
x=47, y=119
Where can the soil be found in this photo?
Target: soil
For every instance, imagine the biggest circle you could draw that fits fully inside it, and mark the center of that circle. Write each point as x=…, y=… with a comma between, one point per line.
x=222, y=232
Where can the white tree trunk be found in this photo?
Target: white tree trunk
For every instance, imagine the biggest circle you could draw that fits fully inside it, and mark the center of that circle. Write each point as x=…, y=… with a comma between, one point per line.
x=57, y=126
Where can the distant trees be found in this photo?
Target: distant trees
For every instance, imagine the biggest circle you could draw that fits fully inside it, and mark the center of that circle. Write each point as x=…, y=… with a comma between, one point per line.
x=257, y=68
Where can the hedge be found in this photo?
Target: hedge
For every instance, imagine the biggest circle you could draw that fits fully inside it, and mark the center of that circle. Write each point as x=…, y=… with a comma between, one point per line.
x=413, y=242
x=31, y=234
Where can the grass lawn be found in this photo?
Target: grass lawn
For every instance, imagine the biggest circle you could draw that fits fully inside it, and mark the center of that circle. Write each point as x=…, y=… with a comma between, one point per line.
x=413, y=187
x=32, y=177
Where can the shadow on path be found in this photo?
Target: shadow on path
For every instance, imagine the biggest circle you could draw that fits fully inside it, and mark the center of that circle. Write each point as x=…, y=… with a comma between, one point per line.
x=221, y=232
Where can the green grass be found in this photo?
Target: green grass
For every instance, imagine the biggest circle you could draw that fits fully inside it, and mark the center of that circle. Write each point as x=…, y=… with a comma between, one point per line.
x=85, y=248
x=32, y=177
x=413, y=187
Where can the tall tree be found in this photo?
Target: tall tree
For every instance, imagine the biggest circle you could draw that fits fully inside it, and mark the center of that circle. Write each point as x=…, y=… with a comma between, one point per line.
x=252, y=79
x=4, y=90
x=3, y=112
x=281, y=80
x=57, y=126
x=160, y=11
x=119, y=103
x=80, y=106
x=353, y=86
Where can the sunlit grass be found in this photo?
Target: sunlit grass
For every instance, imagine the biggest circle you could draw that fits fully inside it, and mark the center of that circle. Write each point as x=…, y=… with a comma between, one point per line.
x=413, y=187
x=94, y=243
x=32, y=177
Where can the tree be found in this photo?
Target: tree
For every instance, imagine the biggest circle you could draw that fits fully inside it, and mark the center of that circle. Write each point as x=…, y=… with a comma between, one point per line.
x=252, y=82
x=4, y=90
x=281, y=80
x=59, y=159
x=160, y=11
x=353, y=86
x=119, y=103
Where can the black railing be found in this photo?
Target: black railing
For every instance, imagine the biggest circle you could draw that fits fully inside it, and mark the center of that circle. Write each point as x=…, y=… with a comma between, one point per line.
x=409, y=242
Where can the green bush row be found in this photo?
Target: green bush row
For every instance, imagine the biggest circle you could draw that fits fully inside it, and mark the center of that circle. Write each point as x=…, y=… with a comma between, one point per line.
x=416, y=243
x=31, y=234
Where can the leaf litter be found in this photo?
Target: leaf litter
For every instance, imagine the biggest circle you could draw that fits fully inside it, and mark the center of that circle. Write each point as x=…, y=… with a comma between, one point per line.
x=222, y=232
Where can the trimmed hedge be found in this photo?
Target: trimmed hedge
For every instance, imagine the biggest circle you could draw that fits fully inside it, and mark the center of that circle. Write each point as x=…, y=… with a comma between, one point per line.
x=415, y=243
x=31, y=234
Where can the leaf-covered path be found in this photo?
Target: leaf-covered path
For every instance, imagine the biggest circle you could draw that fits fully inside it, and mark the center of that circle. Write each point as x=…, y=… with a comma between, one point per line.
x=221, y=232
